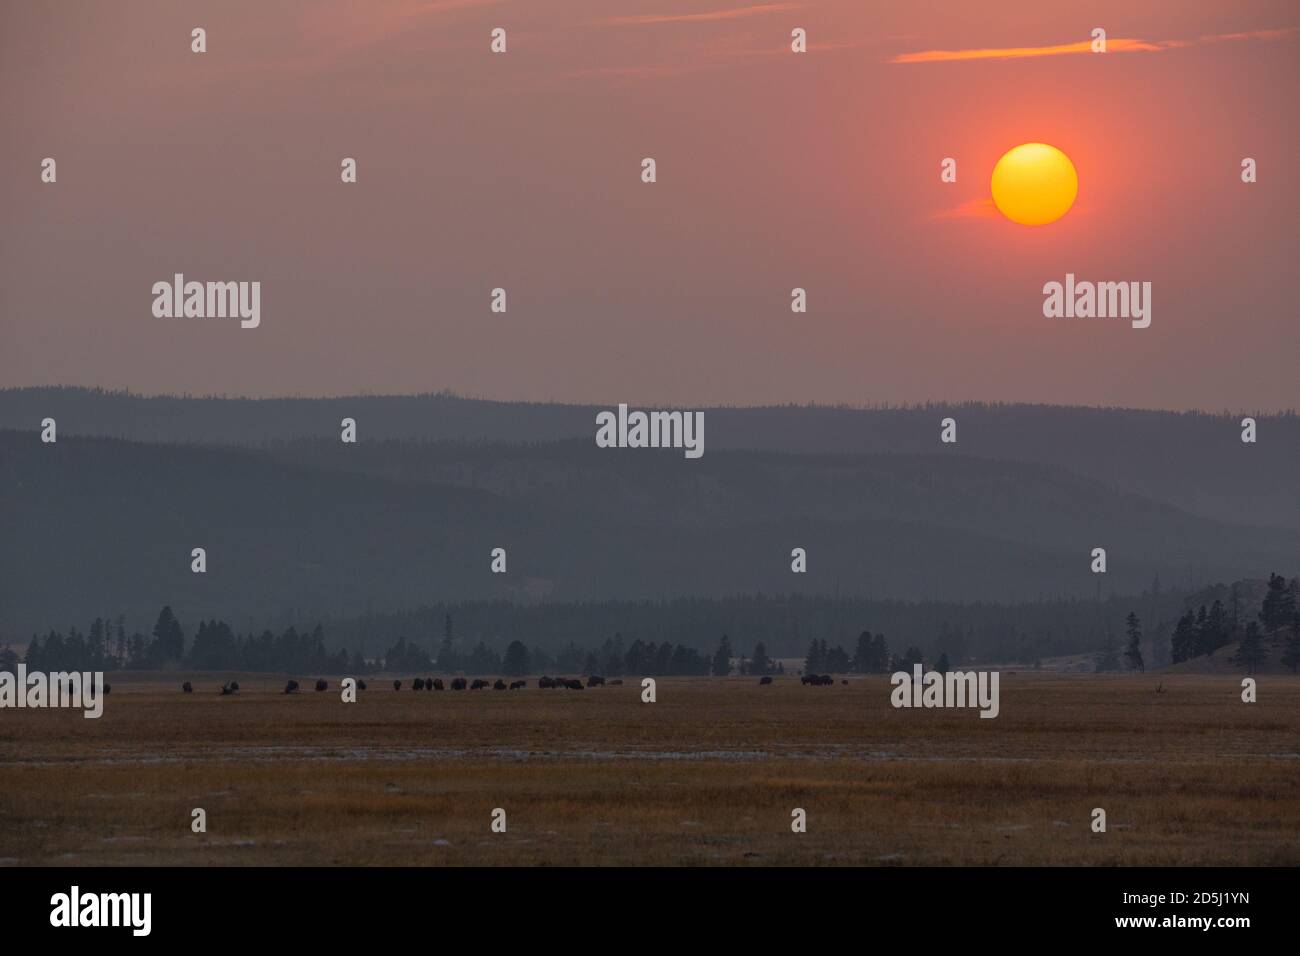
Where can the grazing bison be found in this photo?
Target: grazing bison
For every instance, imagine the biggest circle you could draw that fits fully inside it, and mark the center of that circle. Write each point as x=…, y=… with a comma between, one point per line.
x=187, y=687
x=321, y=685
x=545, y=682
x=516, y=684
x=228, y=689
x=397, y=685
x=479, y=684
x=817, y=680
x=291, y=687
x=594, y=681
x=459, y=683
x=764, y=680
x=844, y=682
x=419, y=684
x=499, y=685
x=109, y=687
x=437, y=683
x=573, y=684
x=361, y=685
x=428, y=683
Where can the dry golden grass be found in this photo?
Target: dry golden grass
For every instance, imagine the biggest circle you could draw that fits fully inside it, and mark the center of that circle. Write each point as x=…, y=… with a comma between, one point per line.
x=709, y=774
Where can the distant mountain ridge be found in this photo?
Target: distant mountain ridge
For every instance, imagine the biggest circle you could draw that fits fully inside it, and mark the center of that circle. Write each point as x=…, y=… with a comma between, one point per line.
x=95, y=526
x=1192, y=460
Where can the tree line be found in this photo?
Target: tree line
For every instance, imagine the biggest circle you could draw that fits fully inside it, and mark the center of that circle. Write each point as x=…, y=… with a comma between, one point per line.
x=106, y=646
x=216, y=646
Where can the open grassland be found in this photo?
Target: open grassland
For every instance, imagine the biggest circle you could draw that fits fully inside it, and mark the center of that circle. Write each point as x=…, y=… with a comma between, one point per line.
x=708, y=774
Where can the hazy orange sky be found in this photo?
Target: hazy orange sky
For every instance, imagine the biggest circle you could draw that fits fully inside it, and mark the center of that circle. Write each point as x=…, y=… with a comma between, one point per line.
x=775, y=170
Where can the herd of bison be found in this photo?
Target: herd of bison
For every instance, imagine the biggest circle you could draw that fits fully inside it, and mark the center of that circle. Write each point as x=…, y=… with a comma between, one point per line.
x=461, y=683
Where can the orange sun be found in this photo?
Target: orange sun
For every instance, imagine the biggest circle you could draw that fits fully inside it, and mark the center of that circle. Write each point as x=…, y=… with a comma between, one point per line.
x=1034, y=184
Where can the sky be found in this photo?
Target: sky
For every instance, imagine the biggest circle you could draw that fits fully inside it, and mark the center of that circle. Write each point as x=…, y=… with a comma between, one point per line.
x=775, y=170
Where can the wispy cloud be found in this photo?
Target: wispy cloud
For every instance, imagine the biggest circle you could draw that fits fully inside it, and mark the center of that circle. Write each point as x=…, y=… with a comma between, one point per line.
x=734, y=13
x=972, y=209
x=1113, y=45
x=639, y=72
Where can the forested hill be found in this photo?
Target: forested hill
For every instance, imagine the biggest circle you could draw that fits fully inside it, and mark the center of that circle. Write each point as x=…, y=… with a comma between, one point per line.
x=1194, y=461
x=96, y=527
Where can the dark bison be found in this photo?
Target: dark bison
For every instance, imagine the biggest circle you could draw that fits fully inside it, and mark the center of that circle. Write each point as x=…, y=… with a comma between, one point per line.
x=321, y=685
x=479, y=684
x=361, y=685
x=616, y=683
x=516, y=684
x=594, y=681
x=437, y=683
x=397, y=685
x=228, y=689
x=187, y=687
x=108, y=688
x=764, y=680
x=419, y=684
x=428, y=683
x=499, y=685
x=459, y=683
x=545, y=682
x=818, y=680
x=573, y=684
x=844, y=682
x=291, y=687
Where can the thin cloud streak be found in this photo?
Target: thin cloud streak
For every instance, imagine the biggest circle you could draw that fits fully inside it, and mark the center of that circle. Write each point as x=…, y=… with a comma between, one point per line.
x=1113, y=45
x=713, y=15
x=972, y=209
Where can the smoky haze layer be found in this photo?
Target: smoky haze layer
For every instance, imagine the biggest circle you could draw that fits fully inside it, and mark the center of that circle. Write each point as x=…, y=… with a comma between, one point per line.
x=1195, y=461
x=93, y=526
x=775, y=171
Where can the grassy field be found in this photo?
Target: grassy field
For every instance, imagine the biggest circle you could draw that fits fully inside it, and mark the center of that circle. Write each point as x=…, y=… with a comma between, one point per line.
x=709, y=774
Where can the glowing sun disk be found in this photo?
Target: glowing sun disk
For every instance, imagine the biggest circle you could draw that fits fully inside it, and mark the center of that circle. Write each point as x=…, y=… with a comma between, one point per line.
x=1034, y=184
